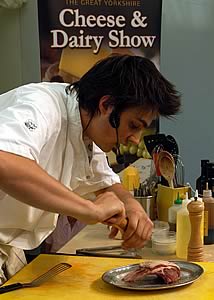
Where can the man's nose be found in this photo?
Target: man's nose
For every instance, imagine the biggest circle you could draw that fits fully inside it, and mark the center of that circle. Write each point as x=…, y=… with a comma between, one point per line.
x=135, y=139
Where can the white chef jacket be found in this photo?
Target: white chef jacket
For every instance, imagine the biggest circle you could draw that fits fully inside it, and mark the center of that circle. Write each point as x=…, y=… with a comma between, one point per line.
x=41, y=122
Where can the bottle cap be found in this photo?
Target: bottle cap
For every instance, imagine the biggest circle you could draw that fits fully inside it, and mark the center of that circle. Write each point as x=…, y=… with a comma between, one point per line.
x=178, y=200
x=204, y=162
x=207, y=193
x=186, y=200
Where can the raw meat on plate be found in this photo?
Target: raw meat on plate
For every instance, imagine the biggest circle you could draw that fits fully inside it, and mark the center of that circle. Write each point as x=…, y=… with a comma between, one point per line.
x=168, y=271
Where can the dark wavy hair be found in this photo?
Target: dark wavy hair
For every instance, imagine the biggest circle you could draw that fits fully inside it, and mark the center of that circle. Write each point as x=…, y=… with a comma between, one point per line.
x=130, y=81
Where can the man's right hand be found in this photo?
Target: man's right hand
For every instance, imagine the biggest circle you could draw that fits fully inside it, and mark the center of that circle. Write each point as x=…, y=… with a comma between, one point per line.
x=110, y=208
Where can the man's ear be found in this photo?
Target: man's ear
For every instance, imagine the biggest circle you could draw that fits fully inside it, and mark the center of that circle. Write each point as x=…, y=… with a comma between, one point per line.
x=104, y=106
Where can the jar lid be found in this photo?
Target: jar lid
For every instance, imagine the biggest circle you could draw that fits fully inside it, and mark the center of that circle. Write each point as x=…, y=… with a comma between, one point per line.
x=207, y=193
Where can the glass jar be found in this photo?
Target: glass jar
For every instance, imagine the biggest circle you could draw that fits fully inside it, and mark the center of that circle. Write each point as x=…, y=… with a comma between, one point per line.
x=164, y=242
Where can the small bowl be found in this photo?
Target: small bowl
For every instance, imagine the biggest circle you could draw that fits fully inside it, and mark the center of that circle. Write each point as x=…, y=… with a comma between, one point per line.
x=164, y=242
x=158, y=226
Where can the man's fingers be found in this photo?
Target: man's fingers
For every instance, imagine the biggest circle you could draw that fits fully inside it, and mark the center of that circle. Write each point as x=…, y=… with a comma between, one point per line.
x=139, y=237
x=147, y=232
x=113, y=232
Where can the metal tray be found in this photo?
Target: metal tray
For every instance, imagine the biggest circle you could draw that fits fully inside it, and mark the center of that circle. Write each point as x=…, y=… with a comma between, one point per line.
x=189, y=273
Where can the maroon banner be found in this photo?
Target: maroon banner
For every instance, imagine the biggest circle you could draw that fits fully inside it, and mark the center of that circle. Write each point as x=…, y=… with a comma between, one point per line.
x=74, y=34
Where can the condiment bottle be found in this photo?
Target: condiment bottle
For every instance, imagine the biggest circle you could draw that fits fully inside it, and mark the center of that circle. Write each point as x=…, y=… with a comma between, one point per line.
x=183, y=229
x=172, y=213
x=202, y=179
x=131, y=178
x=195, y=247
x=208, y=216
x=210, y=175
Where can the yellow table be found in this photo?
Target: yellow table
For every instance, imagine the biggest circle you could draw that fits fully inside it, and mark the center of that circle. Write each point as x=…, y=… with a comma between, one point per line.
x=83, y=281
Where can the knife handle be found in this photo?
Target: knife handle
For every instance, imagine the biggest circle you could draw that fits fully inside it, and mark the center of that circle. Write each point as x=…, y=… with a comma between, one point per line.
x=122, y=225
x=10, y=287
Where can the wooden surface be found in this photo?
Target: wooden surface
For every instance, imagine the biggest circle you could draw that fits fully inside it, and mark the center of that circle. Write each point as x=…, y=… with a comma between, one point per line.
x=84, y=281
x=97, y=236
x=195, y=248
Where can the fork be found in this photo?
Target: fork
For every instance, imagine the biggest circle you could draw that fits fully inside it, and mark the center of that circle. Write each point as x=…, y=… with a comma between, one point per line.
x=39, y=280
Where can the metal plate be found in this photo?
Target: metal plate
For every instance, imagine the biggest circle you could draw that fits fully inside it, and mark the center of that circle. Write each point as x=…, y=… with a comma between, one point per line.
x=189, y=273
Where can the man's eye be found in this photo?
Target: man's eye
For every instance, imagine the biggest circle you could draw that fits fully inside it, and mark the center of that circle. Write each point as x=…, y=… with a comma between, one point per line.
x=134, y=126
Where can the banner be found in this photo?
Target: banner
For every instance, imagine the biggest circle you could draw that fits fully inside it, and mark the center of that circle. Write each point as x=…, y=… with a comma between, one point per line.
x=74, y=34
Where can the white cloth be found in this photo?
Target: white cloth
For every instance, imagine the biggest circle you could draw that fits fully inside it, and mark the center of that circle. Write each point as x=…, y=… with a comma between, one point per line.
x=11, y=261
x=41, y=122
x=12, y=3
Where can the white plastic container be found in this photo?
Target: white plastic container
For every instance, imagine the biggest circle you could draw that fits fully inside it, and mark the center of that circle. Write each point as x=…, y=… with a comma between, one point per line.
x=172, y=213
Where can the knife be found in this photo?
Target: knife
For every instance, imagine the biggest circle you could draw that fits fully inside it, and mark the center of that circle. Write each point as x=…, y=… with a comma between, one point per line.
x=101, y=252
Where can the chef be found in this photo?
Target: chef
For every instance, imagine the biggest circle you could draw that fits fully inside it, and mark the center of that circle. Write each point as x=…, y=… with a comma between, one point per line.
x=54, y=174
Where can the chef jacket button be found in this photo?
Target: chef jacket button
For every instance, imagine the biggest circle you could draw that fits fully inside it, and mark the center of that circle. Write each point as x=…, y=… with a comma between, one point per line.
x=88, y=177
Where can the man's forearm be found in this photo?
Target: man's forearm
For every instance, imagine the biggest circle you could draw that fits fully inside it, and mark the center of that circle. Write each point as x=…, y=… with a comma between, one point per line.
x=24, y=180
x=124, y=196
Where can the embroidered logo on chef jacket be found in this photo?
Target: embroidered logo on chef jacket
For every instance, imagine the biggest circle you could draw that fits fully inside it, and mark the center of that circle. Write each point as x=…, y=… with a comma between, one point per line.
x=30, y=125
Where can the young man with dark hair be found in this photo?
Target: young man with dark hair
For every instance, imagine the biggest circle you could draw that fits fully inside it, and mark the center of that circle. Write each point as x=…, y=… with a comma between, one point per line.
x=53, y=139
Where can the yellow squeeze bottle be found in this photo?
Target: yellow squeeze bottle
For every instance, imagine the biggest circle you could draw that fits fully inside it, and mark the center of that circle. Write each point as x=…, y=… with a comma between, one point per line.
x=183, y=230
x=131, y=178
